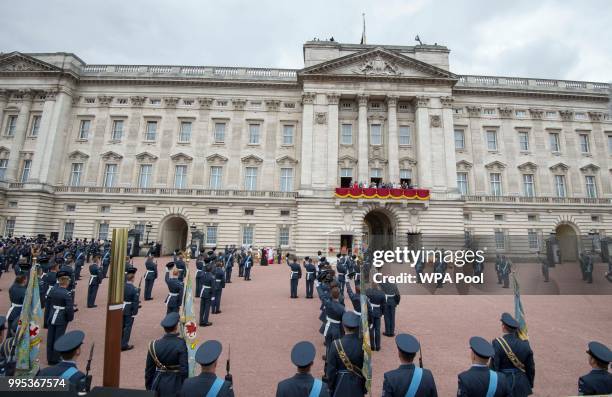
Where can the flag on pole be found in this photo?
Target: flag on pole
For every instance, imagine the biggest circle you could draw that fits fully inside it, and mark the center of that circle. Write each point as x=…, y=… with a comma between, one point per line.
x=363, y=32
x=519, y=313
x=366, y=370
x=28, y=338
x=188, y=325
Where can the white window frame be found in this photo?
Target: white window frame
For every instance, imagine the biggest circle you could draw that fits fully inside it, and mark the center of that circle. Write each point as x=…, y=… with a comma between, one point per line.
x=463, y=184
x=26, y=167
x=492, y=144
x=219, y=132
x=11, y=125
x=554, y=140
x=211, y=234
x=528, y=185
x=117, y=130
x=405, y=135
x=585, y=145
x=3, y=167
x=68, y=230
x=111, y=174
x=150, y=132
x=250, y=178
x=533, y=239
x=185, y=131
x=144, y=178
x=76, y=171
x=286, y=179
x=248, y=234
x=346, y=134
x=254, y=133
x=84, y=129
x=180, y=178
x=590, y=186
x=103, y=230
x=459, y=138
x=495, y=182
x=216, y=177
x=376, y=134
x=35, y=125
x=523, y=141
x=9, y=227
x=288, y=134
x=284, y=234
x=560, y=185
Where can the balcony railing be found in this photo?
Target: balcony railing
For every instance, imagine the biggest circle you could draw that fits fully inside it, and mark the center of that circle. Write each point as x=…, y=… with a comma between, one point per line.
x=173, y=192
x=536, y=200
x=467, y=81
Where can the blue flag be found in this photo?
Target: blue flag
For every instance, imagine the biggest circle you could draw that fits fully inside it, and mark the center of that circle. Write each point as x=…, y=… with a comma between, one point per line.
x=519, y=313
x=28, y=337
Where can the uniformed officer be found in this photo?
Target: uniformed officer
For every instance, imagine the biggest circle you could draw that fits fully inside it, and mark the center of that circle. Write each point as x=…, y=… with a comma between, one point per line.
x=341, y=269
x=294, y=276
x=167, y=366
x=355, y=297
x=582, y=263
x=248, y=264
x=588, y=268
x=193, y=248
x=376, y=298
x=69, y=348
x=61, y=312
x=207, y=383
x=545, y=266
x=345, y=359
x=130, y=308
x=408, y=380
x=498, y=267
x=181, y=266
x=514, y=358
x=478, y=266
x=175, y=289
x=105, y=261
x=479, y=380
x=302, y=384
x=150, y=276
x=7, y=351
x=599, y=380
x=440, y=267
x=17, y=293
x=419, y=267
x=219, y=273
x=392, y=299
x=94, y=281
x=331, y=328
x=506, y=268
x=311, y=271
x=50, y=282
x=199, y=273
x=206, y=293
x=79, y=262
x=229, y=266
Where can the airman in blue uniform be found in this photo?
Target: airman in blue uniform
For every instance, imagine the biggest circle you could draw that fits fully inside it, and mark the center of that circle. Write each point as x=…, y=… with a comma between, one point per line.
x=229, y=265
x=219, y=273
x=131, y=302
x=514, y=358
x=331, y=328
x=79, y=262
x=69, y=348
x=150, y=276
x=61, y=312
x=94, y=281
x=175, y=289
x=207, y=383
x=294, y=276
x=248, y=265
x=17, y=293
x=341, y=270
x=408, y=380
x=50, y=280
x=376, y=299
x=206, y=293
x=167, y=365
x=345, y=359
x=392, y=299
x=181, y=266
x=302, y=384
x=311, y=273
x=479, y=380
x=599, y=380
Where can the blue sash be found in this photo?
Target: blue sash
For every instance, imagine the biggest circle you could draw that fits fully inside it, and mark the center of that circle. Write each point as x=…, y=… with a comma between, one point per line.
x=67, y=374
x=492, y=383
x=316, y=388
x=214, y=389
x=415, y=382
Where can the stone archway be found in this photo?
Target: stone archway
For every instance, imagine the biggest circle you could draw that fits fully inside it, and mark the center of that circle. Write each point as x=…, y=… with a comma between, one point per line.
x=174, y=230
x=568, y=242
x=380, y=229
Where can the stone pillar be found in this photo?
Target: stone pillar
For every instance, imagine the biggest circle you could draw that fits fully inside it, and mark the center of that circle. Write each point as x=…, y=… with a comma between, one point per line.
x=332, y=139
x=423, y=143
x=307, y=139
x=393, y=140
x=363, y=142
x=3, y=102
x=449, y=143
x=55, y=146
x=12, y=170
x=43, y=136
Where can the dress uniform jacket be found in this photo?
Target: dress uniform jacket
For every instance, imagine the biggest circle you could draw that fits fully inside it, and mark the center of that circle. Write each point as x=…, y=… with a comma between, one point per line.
x=299, y=385
x=519, y=382
x=175, y=293
x=598, y=381
x=167, y=366
x=341, y=381
x=475, y=383
x=199, y=386
x=397, y=382
x=16, y=295
x=67, y=370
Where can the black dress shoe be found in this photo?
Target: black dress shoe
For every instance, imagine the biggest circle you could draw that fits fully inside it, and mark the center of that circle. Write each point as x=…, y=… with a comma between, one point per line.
x=92, y=306
x=218, y=311
x=128, y=347
x=208, y=324
x=148, y=299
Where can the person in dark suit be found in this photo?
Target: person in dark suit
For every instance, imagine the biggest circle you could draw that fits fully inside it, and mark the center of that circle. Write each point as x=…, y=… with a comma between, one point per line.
x=345, y=359
x=150, y=276
x=599, y=380
x=302, y=384
x=408, y=379
x=294, y=276
x=69, y=348
x=175, y=289
x=17, y=293
x=479, y=380
x=167, y=366
x=94, y=281
x=130, y=308
x=61, y=312
x=514, y=358
x=207, y=383
x=311, y=273
x=206, y=293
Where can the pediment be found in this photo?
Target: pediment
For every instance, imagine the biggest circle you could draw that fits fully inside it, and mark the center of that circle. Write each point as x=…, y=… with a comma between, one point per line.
x=463, y=165
x=589, y=168
x=4, y=149
x=251, y=158
x=407, y=161
x=286, y=160
x=216, y=158
x=18, y=62
x=559, y=167
x=528, y=166
x=110, y=155
x=347, y=160
x=77, y=155
x=495, y=165
x=146, y=156
x=377, y=62
x=181, y=157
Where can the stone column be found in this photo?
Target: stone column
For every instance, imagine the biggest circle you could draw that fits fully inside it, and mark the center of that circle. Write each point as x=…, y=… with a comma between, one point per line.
x=307, y=139
x=3, y=102
x=332, y=140
x=363, y=142
x=423, y=143
x=393, y=140
x=55, y=147
x=448, y=126
x=12, y=170
x=43, y=136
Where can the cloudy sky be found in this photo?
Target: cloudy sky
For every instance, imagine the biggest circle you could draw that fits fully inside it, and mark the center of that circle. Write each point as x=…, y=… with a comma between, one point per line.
x=547, y=39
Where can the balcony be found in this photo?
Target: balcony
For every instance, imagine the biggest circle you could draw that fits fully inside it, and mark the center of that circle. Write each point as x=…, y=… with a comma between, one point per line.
x=396, y=194
x=536, y=200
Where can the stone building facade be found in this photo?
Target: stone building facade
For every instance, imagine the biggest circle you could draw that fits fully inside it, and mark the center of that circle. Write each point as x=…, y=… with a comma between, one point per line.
x=253, y=155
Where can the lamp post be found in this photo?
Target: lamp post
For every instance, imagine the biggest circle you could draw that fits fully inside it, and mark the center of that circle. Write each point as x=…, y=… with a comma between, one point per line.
x=194, y=229
x=148, y=226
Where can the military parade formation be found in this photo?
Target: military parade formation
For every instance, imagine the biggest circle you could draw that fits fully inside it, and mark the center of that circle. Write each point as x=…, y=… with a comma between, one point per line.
x=354, y=315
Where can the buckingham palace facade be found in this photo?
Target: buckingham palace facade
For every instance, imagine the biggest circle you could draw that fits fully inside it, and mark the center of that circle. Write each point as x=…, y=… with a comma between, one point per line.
x=263, y=157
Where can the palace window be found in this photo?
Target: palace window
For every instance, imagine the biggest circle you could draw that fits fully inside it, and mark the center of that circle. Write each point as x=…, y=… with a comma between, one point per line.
x=491, y=139
x=11, y=125
x=185, y=132
x=560, y=188
x=500, y=239
x=151, y=131
x=216, y=173
x=404, y=135
x=76, y=171
x=68, y=230
x=591, y=186
x=211, y=235
x=283, y=236
x=580, y=116
x=25, y=171
x=110, y=175
x=3, y=165
x=532, y=237
x=459, y=139
x=250, y=178
x=406, y=176
x=286, y=179
x=528, y=185
x=103, y=231
x=249, y=212
x=9, y=227
x=35, y=127
x=520, y=113
x=462, y=183
x=145, y=176
x=488, y=111
x=254, y=134
x=524, y=141
x=247, y=235
x=555, y=143
x=376, y=134
x=551, y=114
x=288, y=133
x=376, y=175
x=70, y=207
x=496, y=184
x=346, y=177
x=213, y=211
x=117, y=132
x=219, y=135
x=346, y=134
x=84, y=129
x=180, y=176
x=584, y=143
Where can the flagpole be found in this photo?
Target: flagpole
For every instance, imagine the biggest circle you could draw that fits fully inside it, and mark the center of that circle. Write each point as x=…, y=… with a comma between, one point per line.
x=114, y=310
